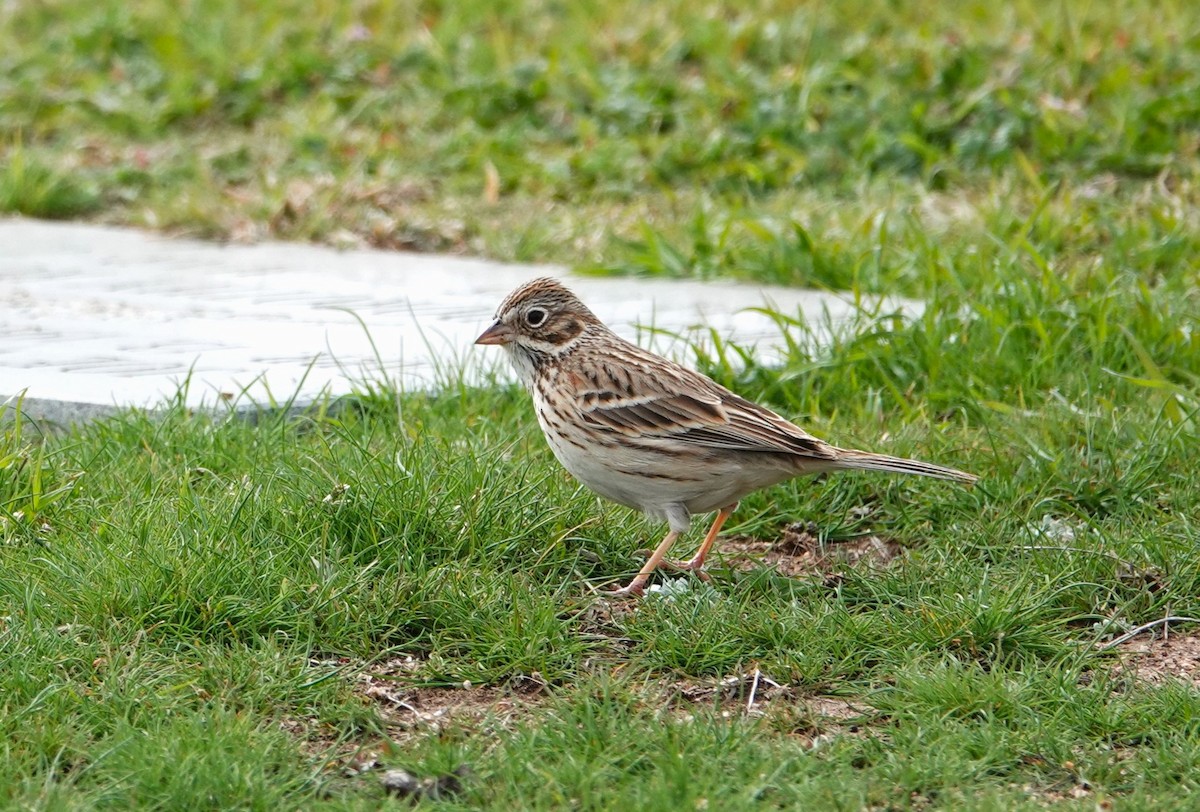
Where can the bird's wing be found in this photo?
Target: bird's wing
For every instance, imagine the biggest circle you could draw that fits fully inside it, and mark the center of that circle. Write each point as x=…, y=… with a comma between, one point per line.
x=654, y=400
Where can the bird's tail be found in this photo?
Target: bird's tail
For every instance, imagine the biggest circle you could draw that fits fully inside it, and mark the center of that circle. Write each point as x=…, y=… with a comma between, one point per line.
x=866, y=461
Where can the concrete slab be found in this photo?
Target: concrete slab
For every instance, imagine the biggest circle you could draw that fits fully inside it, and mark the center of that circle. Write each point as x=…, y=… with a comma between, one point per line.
x=96, y=316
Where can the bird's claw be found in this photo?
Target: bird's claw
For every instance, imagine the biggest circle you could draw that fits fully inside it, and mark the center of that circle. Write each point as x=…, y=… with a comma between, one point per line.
x=630, y=591
x=691, y=565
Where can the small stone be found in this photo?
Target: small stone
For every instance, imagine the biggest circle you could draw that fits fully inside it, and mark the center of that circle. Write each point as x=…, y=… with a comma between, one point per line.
x=404, y=784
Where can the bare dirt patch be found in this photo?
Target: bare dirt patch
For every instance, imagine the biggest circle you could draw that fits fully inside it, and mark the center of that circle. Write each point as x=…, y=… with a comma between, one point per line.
x=411, y=709
x=799, y=551
x=1163, y=657
x=815, y=720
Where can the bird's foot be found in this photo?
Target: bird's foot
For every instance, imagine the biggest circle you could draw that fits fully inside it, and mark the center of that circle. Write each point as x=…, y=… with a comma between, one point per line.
x=691, y=565
x=695, y=564
x=637, y=587
x=633, y=590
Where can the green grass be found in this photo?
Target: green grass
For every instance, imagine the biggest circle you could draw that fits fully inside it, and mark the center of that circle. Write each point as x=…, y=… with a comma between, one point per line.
x=167, y=580
x=775, y=138
x=186, y=601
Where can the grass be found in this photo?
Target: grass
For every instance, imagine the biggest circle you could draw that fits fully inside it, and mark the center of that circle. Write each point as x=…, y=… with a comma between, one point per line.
x=544, y=130
x=189, y=605
x=178, y=585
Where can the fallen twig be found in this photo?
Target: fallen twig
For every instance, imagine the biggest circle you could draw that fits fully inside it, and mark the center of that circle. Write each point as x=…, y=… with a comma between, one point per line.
x=753, y=691
x=759, y=677
x=1145, y=627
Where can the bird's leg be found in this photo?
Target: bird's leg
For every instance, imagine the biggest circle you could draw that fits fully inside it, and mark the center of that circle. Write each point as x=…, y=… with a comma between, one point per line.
x=638, y=585
x=696, y=563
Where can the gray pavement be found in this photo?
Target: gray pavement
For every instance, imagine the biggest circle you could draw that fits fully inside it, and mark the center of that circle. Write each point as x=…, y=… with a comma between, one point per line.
x=94, y=317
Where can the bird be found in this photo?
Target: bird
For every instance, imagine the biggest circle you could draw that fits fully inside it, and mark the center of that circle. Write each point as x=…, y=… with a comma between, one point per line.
x=651, y=434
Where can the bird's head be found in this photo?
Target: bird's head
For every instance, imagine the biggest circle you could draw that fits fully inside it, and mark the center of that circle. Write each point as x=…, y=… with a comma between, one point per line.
x=540, y=319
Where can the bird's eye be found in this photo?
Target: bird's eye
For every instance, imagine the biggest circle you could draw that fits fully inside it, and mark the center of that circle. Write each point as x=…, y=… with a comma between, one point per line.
x=535, y=317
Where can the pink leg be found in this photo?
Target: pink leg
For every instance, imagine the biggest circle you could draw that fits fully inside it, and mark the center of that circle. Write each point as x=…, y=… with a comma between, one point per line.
x=638, y=584
x=696, y=563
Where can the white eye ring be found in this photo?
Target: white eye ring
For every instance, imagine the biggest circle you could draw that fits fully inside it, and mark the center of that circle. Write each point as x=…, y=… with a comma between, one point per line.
x=536, y=317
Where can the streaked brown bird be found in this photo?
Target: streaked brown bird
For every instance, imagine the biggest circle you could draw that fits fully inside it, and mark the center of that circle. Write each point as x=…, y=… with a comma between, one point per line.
x=648, y=433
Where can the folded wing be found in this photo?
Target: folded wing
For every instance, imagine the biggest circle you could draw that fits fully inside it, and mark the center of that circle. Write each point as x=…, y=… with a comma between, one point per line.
x=690, y=408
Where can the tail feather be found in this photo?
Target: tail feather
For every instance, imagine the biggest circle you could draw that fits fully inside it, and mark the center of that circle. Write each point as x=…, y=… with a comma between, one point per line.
x=866, y=461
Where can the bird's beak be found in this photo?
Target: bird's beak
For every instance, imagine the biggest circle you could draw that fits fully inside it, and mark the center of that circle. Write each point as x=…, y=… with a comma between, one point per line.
x=496, y=334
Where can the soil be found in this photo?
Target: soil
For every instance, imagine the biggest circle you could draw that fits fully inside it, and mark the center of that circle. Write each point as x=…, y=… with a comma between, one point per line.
x=1161, y=657
x=798, y=551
